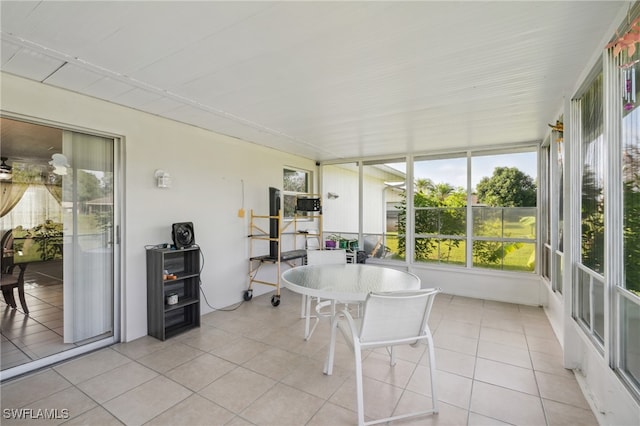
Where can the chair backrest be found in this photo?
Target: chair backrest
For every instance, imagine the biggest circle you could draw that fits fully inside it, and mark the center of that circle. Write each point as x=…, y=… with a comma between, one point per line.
x=6, y=261
x=396, y=316
x=313, y=239
x=8, y=279
x=326, y=257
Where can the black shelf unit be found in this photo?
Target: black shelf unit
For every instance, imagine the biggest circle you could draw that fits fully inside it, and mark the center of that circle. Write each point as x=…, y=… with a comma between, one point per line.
x=164, y=320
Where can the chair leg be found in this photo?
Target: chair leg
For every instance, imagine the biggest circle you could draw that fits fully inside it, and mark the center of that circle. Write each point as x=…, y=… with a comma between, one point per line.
x=328, y=364
x=7, y=292
x=308, y=330
x=23, y=301
x=432, y=368
x=359, y=386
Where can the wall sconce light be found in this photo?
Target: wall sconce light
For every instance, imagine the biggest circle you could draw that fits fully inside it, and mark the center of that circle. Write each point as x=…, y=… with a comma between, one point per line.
x=332, y=195
x=5, y=170
x=163, y=179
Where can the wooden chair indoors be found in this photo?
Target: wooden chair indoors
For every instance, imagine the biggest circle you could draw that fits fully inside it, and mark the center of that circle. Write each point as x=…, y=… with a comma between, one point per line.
x=8, y=279
x=9, y=282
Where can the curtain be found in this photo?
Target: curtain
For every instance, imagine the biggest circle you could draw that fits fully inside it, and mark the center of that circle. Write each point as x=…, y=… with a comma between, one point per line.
x=55, y=191
x=11, y=194
x=26, y=174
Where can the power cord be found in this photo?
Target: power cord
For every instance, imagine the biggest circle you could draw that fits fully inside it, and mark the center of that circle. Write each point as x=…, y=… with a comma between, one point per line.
x=166, y=245
x=228, y=309
x=157, y=246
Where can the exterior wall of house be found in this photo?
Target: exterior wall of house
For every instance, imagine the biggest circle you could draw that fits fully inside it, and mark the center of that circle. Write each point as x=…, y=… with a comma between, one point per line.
x=341, y=214
x=208, y=172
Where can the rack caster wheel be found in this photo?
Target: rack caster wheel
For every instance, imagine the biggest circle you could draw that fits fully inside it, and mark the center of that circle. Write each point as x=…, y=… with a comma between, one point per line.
x=248, y=295
x=275, y=300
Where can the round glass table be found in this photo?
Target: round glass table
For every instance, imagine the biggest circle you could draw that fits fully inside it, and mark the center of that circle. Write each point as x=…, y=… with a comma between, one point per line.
x=347, y=282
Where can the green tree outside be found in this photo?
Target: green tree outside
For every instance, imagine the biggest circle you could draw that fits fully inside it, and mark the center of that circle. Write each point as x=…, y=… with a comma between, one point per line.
x=440, y=210
x=508, y=187
x=631, y=223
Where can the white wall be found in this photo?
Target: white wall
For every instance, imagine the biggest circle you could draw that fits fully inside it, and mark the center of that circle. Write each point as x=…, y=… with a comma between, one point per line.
x=525, y=289
x=554, y=309
x=207, y=170
x=610, y=401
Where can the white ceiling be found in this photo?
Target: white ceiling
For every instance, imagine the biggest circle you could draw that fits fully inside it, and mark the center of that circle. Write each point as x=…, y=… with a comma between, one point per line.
x=324, y=80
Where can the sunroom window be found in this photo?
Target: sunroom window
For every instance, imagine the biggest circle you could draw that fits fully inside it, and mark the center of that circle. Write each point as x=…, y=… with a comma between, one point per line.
x=504, y=211
x=630, y=296
x=295, y=183
x=383, y=194
x=440, y=210
x=589, y=290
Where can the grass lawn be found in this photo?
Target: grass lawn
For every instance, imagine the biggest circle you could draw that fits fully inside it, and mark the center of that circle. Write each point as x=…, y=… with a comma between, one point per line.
x=521, y=259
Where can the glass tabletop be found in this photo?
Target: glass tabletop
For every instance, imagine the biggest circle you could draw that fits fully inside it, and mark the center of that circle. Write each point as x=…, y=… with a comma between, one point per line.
x=347, y=281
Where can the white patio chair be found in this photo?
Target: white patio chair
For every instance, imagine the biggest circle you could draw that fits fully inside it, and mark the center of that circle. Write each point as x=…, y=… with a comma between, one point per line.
x=389, y=319
x=320, y=257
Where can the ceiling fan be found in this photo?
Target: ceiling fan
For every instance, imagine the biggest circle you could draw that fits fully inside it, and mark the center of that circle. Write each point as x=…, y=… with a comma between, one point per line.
x=5, y=169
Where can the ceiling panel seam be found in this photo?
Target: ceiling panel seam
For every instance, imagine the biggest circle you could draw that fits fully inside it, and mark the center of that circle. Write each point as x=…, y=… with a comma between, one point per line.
x=142, y=85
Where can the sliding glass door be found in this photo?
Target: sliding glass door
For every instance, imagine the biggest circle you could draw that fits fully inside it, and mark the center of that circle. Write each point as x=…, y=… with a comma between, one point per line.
x=87, y=189
x=59, y=218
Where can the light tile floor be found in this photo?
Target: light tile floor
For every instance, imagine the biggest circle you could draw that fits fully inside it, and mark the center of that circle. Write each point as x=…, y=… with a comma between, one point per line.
x=24, y=338
x=497, y=364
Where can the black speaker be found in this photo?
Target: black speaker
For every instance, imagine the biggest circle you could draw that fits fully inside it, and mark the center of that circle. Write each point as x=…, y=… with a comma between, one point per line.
x=182, y=235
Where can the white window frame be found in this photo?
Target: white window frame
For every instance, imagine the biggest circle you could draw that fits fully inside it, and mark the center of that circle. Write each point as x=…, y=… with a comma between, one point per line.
x=287, y=193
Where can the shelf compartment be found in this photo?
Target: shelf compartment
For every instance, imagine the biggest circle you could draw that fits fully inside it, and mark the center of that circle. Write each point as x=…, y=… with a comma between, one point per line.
x=180, y=277
x=163, y=320
x=181, y=304
x=181, y=319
